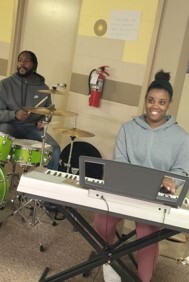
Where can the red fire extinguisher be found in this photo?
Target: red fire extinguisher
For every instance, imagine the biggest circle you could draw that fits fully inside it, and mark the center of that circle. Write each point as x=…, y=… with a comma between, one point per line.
x=96, y=83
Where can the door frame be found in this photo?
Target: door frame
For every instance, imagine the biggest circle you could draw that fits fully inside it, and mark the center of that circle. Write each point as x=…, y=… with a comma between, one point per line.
x=19, y=6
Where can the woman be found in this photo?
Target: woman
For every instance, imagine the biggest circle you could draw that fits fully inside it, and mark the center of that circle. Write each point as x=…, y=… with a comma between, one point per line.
x=153, y=140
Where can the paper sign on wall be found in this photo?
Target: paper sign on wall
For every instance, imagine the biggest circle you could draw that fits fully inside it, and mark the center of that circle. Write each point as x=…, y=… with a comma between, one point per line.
x=124, y=25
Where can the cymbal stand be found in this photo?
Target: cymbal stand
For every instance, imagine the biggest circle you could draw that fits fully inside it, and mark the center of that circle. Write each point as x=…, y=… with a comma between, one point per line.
x=68, y=165
x=47, y=118
x=70, y=153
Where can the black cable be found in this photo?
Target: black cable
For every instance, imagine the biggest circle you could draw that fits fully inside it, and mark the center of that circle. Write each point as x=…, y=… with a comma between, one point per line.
x=102, y=197
x=89, y=85
x=108, y=210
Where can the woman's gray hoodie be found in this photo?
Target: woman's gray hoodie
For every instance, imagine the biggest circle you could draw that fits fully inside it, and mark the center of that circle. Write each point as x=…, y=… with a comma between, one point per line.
x=165, y=147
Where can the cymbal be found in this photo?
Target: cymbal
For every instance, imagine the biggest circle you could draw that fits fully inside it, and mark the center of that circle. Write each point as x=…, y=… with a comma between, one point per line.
x=74, y=132
x=50, y=112
x=51, y=91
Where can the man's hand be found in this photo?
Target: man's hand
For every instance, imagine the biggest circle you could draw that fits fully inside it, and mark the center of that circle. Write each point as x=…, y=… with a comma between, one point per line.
x=40, y=125
x=22, y=115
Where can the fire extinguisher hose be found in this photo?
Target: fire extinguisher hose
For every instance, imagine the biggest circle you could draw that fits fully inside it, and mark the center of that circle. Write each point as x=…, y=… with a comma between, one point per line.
x=89, y=79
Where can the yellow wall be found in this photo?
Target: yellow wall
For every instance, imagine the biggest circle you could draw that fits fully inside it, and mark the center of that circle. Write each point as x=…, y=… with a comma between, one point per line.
x=6, y=18
x=134, y=51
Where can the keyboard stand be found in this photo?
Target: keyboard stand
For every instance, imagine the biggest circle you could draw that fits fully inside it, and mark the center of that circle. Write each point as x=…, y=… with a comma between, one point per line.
x=104, y=253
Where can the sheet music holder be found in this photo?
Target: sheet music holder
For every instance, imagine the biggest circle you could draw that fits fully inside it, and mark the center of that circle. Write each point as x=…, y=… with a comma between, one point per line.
x=133, y=181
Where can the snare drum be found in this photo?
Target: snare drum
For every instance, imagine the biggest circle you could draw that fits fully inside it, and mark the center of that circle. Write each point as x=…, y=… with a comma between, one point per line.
x=5, y=146
x=29, y=152
x=4, y=186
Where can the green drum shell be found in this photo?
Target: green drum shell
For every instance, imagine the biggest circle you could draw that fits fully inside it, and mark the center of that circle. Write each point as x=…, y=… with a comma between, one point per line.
x=5, y=146
x=4, y=185
x=28, y=155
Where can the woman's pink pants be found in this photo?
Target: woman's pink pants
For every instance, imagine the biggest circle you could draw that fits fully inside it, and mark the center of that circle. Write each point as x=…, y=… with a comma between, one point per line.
x=146, y=258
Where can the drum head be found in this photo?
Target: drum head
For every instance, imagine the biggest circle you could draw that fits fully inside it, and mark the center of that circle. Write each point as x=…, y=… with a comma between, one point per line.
x=81, y=149
x=28, y=144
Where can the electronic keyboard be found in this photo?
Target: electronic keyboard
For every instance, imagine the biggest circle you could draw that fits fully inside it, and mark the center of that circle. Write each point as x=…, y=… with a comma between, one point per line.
x=65, y=189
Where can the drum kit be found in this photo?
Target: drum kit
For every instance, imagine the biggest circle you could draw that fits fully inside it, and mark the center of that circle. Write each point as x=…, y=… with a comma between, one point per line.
x=30, y=153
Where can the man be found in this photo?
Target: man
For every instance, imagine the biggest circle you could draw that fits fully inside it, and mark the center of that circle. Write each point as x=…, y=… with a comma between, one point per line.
x=19, y=92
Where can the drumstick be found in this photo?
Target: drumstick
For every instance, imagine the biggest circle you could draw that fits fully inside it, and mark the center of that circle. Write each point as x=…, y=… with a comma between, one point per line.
x=41, y=102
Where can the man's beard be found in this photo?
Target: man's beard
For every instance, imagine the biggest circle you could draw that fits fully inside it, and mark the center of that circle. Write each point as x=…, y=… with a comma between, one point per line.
x=27, y=73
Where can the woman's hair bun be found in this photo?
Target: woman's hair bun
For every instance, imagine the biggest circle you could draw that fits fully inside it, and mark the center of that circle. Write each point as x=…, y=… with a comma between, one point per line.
x=161, y=75
x=161, y=82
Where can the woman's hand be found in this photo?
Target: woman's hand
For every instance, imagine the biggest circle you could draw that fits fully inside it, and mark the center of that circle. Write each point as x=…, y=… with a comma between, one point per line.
x=169, y=184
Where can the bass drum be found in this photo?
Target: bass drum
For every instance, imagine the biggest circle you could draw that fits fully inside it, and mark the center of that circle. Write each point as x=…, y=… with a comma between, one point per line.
x=81, y=149
x=4, y=186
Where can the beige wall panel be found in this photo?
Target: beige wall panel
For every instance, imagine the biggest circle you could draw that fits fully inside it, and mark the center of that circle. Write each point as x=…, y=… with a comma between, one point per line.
x=171, y=36
x=104, y=121
x=183, y=113
x=118, y=70
x=115, y=91
x=4, y=55
x=4, y=50
x=100, y=47
x=171, y=52
x=108, y=110
x=91, y=53
x=3, y=66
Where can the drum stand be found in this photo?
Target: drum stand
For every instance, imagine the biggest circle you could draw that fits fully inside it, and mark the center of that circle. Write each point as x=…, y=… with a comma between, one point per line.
x=44, y=139
x=36, y=207
x=12, y=184
x=36, y=210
